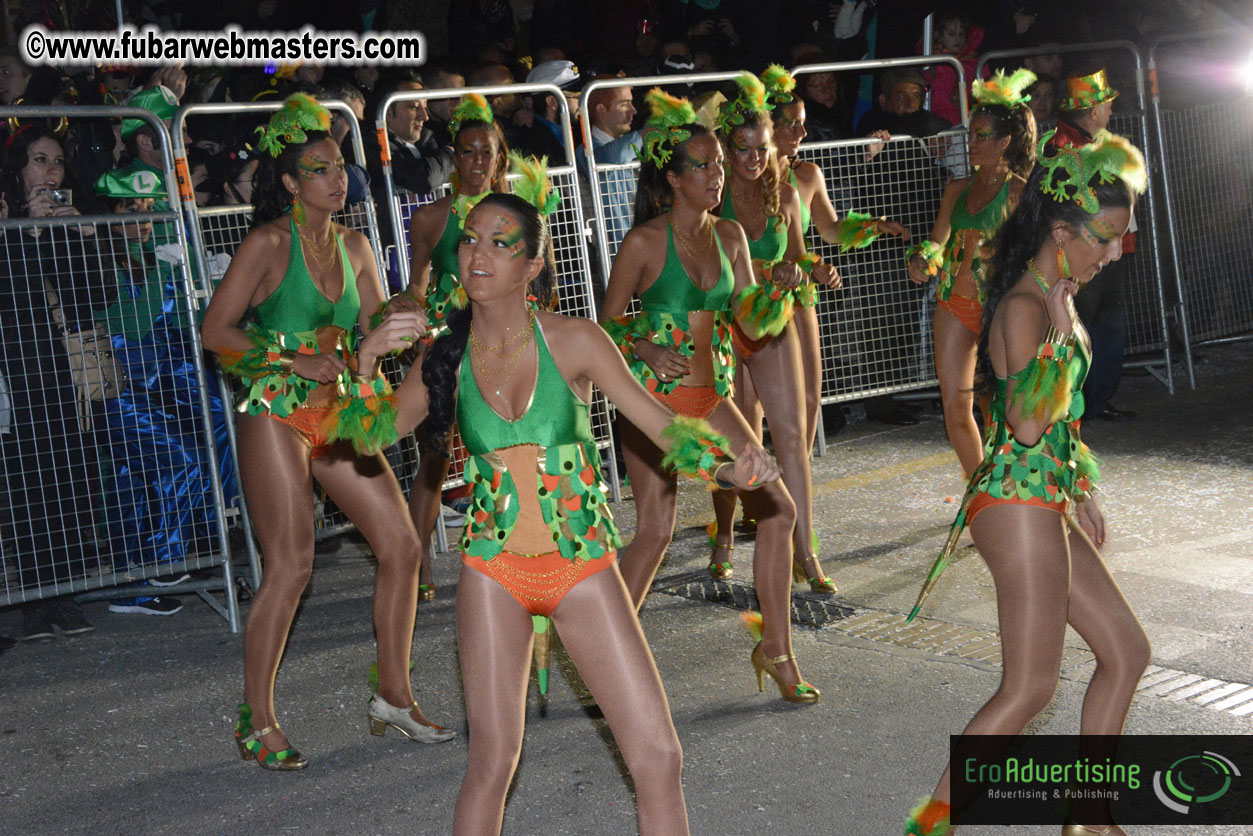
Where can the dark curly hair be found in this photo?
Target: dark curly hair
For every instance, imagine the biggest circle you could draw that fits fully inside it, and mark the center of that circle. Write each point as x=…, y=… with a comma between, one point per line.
x=1021, y=237
x=1017, y=123
x=270, y=198
x=654, y=196
x=442, y=363
x=17, y=157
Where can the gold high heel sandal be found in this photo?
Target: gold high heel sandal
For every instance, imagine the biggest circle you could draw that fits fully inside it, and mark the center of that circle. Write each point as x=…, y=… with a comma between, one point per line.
x=818, y=581
x=1081, y=830
x=802, y=694
x=251, y=748
x=382, y=714
x=719, y=571
x=426, y=592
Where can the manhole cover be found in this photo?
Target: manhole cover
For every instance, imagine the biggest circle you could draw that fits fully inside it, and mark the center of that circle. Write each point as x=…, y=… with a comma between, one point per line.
x=698, y=586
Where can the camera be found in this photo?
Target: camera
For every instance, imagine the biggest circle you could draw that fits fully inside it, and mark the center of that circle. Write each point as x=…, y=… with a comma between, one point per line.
x=61, y=197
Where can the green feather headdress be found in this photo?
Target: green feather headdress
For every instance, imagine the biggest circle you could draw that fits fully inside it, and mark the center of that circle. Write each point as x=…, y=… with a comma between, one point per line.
x=1071, y=169
x=473, y=108
x=533, y=184
x=1003, y=90
x=300, y=113
x=779, y=85
x=752, y=99
x=664, y=129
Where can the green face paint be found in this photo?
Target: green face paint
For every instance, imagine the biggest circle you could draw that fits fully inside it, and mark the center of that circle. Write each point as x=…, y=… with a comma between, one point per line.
x=1097, y=232
x=310, y=165
x=509, y=232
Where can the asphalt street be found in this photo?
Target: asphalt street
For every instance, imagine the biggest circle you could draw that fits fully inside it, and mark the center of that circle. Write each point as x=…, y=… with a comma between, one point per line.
x=127, y=729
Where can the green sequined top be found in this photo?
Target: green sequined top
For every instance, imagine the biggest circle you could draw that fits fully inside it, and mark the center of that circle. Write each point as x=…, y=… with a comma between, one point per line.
x=956, y=254
x=567, y=476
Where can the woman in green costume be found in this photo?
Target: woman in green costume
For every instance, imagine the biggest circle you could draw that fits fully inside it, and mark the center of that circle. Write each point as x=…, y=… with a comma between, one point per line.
x=304, y=284
x=1047, y=568
x=539, y=541
x=1002, y=150
x=480, y=155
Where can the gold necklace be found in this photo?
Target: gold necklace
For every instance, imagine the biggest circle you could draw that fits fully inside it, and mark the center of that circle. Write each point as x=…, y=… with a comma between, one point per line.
x=324, y=254
x=1038, y=276
x=703, y=238
x=504, y=370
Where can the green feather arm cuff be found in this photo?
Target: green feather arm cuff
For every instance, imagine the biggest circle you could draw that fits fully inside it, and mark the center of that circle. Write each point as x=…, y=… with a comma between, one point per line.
x=857, y=230
x=931, y=252
x=694, y=449
x=1044, y=388
x=764, y=310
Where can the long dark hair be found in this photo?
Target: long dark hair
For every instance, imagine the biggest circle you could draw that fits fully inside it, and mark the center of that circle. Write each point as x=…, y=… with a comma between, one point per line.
x=442, y=363
x=1021, y=237
x=654, y=196
x=270, y=198
x=1017, y=123
x=17, y=157
x=502, y=152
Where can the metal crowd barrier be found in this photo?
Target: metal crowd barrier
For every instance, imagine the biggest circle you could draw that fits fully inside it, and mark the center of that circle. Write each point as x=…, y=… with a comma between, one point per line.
x=216, y=232
x=1149, y=310
x=875, y=331
x=107, y=492
x=569, y=237
x=1207, y=183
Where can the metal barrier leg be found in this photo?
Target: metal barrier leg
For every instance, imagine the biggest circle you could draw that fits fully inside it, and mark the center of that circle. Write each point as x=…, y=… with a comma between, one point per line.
x=820, y=447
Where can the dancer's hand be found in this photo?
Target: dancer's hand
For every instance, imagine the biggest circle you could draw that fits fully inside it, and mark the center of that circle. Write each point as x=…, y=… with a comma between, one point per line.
x=754, y=468
x=1092, y=521
x=666, y=363
x=918, y=270
x=887, y=227
x=397, y=331
x=1059, y=302
x=826, y=274
x=786, y=274
x=323, y=368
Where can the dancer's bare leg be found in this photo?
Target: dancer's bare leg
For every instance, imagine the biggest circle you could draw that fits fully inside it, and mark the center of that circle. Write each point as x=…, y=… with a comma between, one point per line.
x=806, y=321
x=655, y=501
x=725, y=501
x=955, y=358
x=425, y=497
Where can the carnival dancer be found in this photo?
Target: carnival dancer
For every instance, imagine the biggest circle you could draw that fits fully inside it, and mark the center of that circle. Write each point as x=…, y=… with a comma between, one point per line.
x=1002, y=149
x=480, y=160
x=305, y=284
x=539, y=541
x=1033, y=356
x=694, y=276
x=769, y=375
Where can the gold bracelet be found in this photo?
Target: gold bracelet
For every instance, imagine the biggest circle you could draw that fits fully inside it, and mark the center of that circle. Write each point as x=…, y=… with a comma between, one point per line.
x=720, y=482
x=1058, y=338
x=285, y=360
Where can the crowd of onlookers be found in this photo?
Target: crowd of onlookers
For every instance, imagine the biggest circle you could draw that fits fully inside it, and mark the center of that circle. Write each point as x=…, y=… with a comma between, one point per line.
x=116, y=283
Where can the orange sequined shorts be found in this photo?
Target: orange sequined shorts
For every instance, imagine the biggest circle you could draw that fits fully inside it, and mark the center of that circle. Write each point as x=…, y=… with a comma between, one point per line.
x=691, y=401
x=984, y=500
x=538, y=581
x=967, y=311
x=309, y=424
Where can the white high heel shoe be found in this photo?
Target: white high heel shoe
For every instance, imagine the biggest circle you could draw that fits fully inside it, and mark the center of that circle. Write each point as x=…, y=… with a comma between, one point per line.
x=382, y=714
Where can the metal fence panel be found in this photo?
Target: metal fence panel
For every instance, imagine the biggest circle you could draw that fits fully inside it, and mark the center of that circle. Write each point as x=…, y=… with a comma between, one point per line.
x=125, y=487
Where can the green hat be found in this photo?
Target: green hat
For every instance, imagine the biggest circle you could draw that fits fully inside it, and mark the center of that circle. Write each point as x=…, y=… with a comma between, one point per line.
x=128, y=183
x=160, y=100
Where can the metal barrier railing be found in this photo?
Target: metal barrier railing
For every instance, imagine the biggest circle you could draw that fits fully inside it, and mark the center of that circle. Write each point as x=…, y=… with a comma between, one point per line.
x=569, y=237
x=1206, y=180
x=216, y=232
x=1148, y=310
x=875, y=331
x=127, y=487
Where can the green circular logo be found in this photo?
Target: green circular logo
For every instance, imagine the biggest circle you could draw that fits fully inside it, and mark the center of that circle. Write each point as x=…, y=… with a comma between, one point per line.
x=1194, y=779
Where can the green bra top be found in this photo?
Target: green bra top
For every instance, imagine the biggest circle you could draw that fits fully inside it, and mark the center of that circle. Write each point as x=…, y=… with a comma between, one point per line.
x=298, y=306
x=988, y=219
x=567, y=477
x=444, y=256
x=675, y=292
x=772, y=244
x=805, y=216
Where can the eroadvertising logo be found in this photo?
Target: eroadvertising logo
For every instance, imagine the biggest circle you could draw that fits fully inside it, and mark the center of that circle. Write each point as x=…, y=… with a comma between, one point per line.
x=1194, y=779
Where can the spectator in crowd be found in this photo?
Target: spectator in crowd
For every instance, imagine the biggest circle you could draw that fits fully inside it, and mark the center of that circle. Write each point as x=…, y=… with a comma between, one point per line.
x=611, y=111
x=473, y=25
x=544, y=138
x=506, y=106
x=956, y=37
x=826, y=116
x=50, y=447
x=1044, y=64
x=14, y=75
x=721, y=23
x=341, y=127
x=144, y=146
x=419, y=165
x=900, y=111
x=1085, y=112
x=441, y=76
x=1043, y=102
